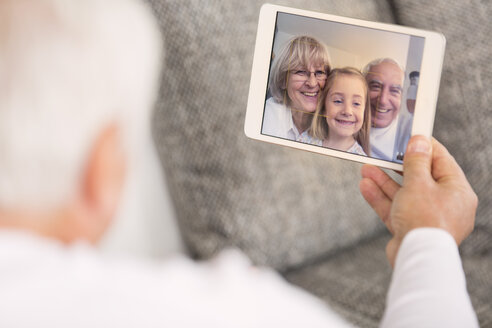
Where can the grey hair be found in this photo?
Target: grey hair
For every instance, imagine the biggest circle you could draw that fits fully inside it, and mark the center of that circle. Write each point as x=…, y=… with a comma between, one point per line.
x=68, y=69
x=378, y=61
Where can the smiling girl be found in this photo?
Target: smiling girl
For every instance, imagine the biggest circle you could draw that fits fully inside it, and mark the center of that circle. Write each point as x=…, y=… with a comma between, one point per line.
x=342, y=120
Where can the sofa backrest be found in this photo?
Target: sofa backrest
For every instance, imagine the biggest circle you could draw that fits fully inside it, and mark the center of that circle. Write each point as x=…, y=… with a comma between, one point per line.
x=463, y=118
x=282, y=207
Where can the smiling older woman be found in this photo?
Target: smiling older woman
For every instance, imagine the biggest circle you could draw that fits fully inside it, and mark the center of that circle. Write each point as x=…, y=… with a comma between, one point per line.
x=297, y=76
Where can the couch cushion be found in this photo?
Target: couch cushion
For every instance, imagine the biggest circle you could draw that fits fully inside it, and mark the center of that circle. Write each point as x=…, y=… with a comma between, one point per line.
x=353, y=282
x=280, y=206
x=478, y=268
x=463, y=119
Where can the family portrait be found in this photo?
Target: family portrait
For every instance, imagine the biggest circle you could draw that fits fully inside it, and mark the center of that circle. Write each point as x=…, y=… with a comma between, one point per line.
x=342, y=87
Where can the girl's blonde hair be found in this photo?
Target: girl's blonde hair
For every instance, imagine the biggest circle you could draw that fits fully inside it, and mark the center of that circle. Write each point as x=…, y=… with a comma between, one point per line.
x=319, y=128
x=300, y=51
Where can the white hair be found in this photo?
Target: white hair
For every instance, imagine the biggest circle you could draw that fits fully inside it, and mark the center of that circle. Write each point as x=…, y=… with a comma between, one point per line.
x=69, y=68
x=378, y=61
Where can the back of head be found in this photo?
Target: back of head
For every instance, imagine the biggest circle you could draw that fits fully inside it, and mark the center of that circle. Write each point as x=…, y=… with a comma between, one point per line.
x=414, y=74
x=68, y=68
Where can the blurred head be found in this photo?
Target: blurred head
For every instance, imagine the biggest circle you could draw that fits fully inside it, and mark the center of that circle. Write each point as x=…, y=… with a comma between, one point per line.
x=385, y=80
x=299, y=73
x=414, y=77
x=344, y=108
x=77, y=84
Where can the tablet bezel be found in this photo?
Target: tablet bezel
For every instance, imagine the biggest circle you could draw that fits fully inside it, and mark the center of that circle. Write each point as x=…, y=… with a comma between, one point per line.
x=429, y=80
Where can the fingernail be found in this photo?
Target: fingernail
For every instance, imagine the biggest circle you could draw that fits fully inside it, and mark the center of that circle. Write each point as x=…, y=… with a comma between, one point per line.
x=419, y=145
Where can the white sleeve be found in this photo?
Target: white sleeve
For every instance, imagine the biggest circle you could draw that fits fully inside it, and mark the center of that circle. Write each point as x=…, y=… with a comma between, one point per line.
x=271, y=120
x=245, y=296
x=412, y=92
x=428, y=288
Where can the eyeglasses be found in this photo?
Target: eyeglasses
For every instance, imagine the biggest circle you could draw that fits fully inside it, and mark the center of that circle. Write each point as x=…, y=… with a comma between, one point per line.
x=302, y=75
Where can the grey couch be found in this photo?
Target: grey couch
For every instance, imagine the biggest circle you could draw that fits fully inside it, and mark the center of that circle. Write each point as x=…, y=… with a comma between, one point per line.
x=297, y=212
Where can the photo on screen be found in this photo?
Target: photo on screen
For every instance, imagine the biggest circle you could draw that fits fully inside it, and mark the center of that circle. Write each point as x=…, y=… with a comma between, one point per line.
x=341, y=86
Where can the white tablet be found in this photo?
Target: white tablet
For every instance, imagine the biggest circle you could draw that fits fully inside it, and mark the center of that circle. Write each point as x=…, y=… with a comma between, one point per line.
x=342, y=87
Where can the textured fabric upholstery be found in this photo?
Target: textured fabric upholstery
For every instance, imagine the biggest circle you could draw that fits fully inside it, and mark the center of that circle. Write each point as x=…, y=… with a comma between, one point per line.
x=354, y=282
x=464, y=119
x=463, y=114
x=280, y=206
x=297, y=212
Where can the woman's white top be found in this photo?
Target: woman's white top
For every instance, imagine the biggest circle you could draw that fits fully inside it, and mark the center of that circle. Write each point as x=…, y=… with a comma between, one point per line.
x=278, y=122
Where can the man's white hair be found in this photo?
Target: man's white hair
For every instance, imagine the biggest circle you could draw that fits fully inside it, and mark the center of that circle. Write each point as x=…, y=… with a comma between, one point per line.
x=69, y=68
x=378, y=61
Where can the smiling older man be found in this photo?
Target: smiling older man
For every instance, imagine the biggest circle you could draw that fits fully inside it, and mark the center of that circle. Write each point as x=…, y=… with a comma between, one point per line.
x=385, y=79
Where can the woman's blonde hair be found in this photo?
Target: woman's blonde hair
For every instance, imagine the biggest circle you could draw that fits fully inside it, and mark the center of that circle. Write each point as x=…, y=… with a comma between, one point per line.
x=300, y=51
x=319, y=128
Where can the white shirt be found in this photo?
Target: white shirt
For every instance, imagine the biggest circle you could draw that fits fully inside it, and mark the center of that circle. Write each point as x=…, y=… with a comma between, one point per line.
x=383, y=141
x=278, y=122
x=428, y=287
x=356, y=148
x=403, y=135
x=46, y=284
x=412, y=92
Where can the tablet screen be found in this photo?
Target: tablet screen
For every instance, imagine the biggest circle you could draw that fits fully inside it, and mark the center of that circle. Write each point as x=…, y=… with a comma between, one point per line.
x=341, y=86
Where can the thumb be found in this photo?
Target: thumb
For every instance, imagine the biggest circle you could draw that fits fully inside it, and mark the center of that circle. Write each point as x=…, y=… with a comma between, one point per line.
x=417, y=160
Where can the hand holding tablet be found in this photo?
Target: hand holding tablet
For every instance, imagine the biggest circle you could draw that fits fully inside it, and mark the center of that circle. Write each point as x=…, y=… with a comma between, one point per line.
x=339, y=86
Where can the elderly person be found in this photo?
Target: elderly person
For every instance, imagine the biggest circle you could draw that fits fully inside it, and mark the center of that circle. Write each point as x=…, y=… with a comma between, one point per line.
x=385, y=80
x=77, y=81
x=297, y=77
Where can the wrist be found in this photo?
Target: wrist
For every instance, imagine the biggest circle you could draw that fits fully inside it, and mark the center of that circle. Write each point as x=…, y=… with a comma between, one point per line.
x=422, y=239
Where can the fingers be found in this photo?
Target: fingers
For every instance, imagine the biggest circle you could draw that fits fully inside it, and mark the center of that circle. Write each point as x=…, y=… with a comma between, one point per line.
x=417, y=161
x=381, y=179
x=424, y=160
x=378, y=189
x=447, y=172
x=443, y=164
x=377, y=199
